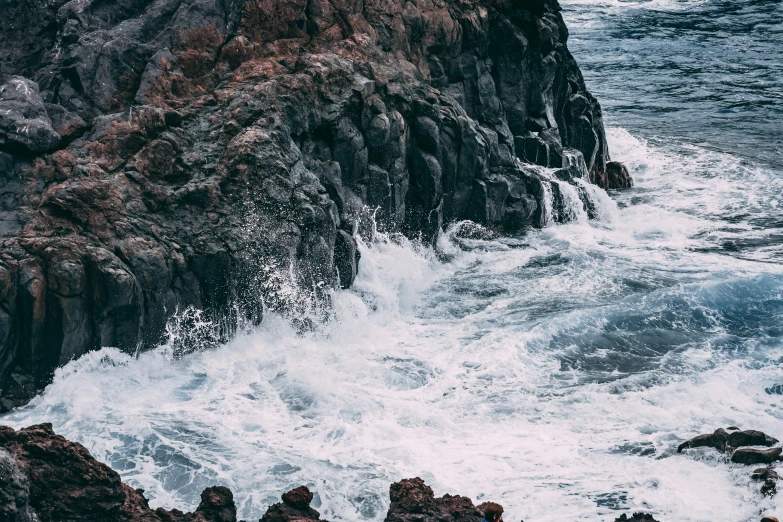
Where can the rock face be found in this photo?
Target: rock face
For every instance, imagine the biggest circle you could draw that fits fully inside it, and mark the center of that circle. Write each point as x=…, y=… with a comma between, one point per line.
x=165, y=156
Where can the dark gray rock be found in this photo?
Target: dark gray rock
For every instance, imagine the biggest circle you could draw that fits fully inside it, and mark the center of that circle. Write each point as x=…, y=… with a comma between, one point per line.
x=750, y=438
x=715, y=440
x=24, y=123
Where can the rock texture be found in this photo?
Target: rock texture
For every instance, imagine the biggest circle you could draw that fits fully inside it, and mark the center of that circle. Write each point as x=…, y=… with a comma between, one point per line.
x=164, y=157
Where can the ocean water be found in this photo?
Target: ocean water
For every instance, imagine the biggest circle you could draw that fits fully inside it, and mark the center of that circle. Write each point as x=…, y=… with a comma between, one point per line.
x=555, y=373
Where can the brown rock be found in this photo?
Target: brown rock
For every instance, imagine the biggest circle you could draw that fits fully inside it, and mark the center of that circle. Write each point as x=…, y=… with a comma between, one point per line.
x=756, y=456
x=46, y=478
x=617, y=176
x=413, y=501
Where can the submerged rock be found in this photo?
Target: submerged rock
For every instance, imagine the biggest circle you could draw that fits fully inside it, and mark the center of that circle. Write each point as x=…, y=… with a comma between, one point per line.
x=764, y=474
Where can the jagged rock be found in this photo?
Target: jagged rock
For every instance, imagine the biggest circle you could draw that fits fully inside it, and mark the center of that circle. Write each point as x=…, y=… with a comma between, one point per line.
x=295, y=507
x=617, y=176
x=24, y=123
x=721, y=440
x=412, y=500
x=215, y=152
x=715, y=440
x=46, y=478
x=637, y=517
x=756, y=456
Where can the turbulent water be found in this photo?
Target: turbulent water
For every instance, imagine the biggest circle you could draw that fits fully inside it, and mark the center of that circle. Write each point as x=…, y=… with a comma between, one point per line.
x=556, y=372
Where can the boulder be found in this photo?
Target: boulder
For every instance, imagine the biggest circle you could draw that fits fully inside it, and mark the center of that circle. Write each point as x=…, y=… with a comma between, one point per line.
x=617, y=176
x=756, y=456
x=764, y=474
x=412, y=500
x=716, y=440
x=738, y=439
x=295, y=507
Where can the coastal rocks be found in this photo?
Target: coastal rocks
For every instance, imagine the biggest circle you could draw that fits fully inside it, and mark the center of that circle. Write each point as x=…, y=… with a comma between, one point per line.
x=715, y=440
x=413, y=501
x=722, y=440
x=735, y=443
x=637, y=517
x=756, y=456
x=295, y=507
x=46, y=478
x=617, y=176
x=161, y=157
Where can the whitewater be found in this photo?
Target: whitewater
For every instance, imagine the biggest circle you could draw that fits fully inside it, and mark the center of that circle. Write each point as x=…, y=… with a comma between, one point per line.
x=555, y=372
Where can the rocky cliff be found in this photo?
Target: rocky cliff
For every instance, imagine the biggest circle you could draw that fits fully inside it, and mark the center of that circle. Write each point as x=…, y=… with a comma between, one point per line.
x=200, y=157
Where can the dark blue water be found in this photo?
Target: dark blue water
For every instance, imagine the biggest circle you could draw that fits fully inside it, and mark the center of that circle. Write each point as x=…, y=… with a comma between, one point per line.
x=707, y=72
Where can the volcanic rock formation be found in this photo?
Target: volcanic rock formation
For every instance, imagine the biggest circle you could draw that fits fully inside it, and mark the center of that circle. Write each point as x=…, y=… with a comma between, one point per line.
x=197, y=158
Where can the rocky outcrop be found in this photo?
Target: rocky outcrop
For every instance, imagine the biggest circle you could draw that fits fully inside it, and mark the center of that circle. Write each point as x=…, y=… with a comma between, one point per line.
x=735, y=442
x=168, y=157
x=44, y=477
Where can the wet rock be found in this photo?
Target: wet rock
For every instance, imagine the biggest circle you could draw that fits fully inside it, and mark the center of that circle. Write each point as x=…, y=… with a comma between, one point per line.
x=756, y=456
x=769, y=488
x=637, y=517
x=715, y=440
x=295, y=507
x=750, y=438
x=769, y=519
x=46, y=478
x=24, y=123
x=412, y=500
x=617, y=176
x=764, y=474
